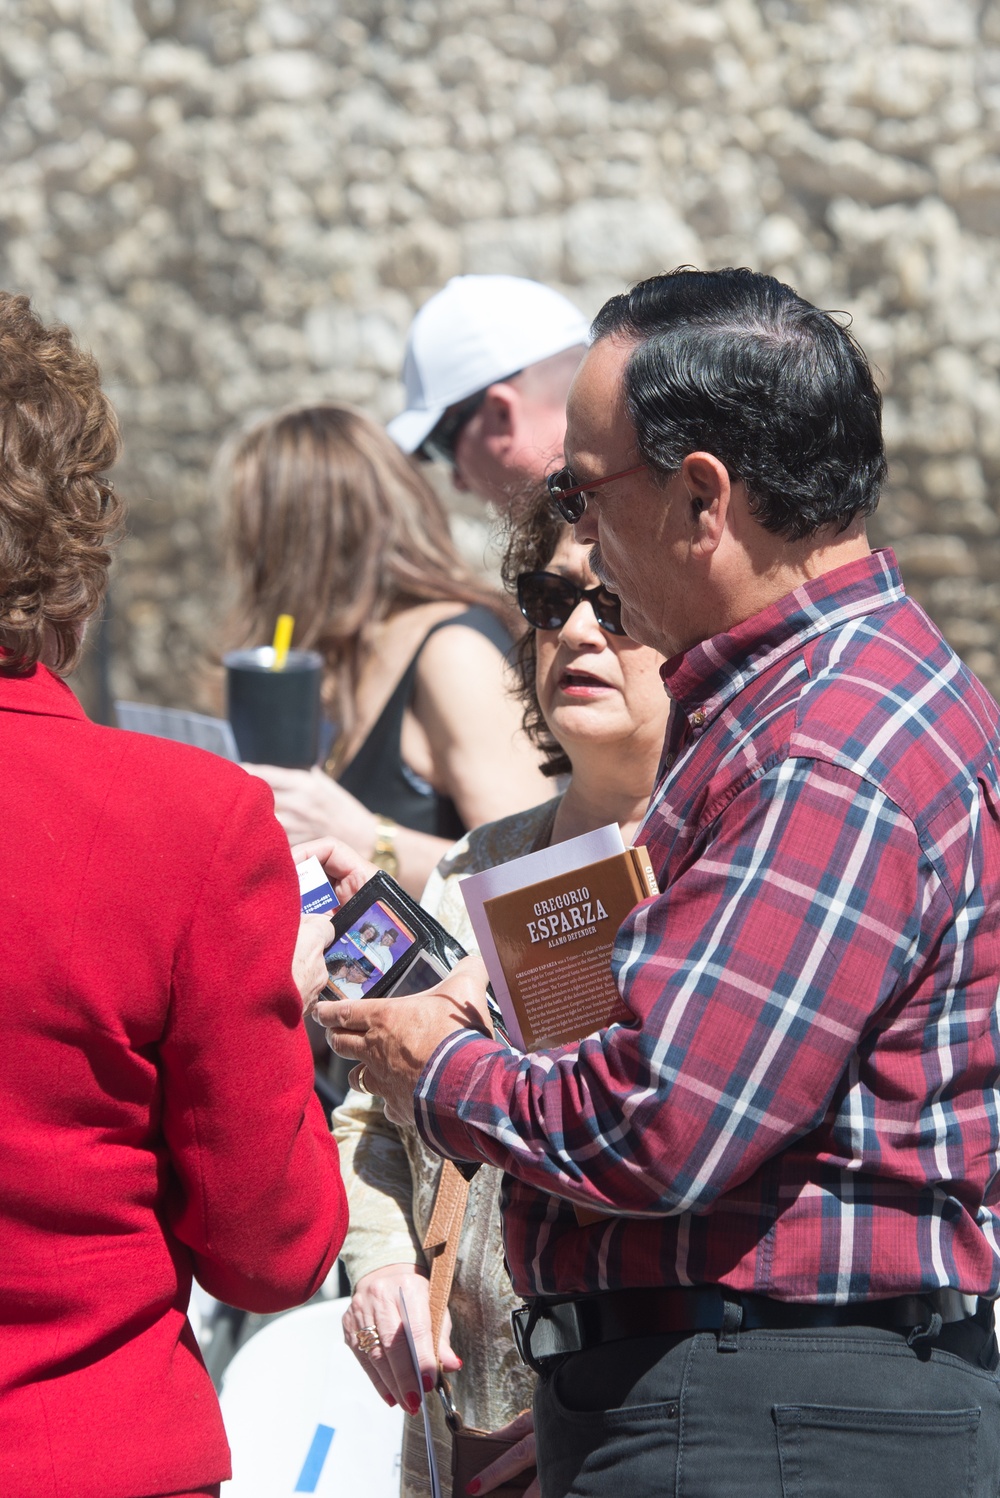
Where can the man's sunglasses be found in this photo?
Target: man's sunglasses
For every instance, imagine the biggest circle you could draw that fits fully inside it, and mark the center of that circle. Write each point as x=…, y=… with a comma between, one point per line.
x=440, y=444
x=569, y=497
x=547, y=600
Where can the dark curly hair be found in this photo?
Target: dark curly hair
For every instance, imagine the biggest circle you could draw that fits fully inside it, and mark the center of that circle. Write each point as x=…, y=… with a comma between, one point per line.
x=58, y=511
x=534, y=533
x=737, y=364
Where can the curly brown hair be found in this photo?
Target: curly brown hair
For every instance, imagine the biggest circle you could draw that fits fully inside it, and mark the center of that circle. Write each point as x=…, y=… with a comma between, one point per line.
x=58, y=511
x=535, y=531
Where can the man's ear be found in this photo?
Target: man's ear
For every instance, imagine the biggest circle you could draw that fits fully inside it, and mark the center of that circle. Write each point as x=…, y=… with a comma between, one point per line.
x=709, y=491
x=497, y=417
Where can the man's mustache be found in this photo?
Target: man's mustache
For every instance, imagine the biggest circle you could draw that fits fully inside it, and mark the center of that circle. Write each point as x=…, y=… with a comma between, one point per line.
x=597, y=566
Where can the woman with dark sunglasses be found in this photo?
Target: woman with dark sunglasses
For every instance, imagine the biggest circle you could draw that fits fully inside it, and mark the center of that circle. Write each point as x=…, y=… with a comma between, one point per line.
x=596, y=708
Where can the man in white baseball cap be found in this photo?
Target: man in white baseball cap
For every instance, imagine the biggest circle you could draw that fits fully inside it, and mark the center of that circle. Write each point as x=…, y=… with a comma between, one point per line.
x=489, y=362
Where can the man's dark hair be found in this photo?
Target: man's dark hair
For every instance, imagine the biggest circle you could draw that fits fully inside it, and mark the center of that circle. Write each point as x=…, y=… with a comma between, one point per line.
x=736, y=364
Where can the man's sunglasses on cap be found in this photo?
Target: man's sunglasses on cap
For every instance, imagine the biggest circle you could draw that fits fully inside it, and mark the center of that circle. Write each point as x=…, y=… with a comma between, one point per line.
x=440, y=444
x=569, y=497
x=547, y=600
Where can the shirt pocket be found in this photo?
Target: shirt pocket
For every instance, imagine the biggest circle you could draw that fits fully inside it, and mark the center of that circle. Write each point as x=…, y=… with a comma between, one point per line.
x=827, y=1452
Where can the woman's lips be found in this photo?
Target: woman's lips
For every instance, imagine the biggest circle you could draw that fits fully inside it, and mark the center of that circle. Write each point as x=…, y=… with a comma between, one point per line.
x=582, y=684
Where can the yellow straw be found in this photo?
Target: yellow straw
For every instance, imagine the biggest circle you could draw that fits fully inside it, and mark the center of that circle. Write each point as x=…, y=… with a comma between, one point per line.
x=283, y=631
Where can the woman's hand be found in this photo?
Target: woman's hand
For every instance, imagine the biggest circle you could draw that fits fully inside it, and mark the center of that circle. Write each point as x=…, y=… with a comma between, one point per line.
x=308, y=968
x=375, y=1305
x=346, y=870
x=309, y=804
x=519, y=1458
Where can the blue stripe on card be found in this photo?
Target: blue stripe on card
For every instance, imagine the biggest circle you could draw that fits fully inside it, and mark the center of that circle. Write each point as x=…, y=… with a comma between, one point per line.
x=312, y=1467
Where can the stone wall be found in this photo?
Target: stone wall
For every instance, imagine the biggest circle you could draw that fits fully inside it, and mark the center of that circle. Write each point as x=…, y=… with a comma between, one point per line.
x=241, y=204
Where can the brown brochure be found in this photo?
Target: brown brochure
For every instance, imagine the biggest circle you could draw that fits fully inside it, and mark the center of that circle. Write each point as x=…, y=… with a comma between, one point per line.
x=554, y=941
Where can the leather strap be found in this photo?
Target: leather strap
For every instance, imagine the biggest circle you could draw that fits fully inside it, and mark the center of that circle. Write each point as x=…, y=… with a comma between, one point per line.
x=441, y=1241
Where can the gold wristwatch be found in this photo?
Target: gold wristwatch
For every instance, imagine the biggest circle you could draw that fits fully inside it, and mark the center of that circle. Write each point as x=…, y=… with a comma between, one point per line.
x=384, y=853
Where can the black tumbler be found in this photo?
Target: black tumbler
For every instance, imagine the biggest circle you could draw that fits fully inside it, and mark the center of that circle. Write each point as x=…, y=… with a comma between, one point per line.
x=274, y=714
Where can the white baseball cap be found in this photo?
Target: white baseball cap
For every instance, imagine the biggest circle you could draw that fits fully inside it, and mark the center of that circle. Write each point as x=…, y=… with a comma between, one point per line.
x=475, y=331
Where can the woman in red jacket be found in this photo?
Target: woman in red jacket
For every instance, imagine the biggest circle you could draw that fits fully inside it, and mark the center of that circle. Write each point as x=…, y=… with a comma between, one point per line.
x=158, y=1118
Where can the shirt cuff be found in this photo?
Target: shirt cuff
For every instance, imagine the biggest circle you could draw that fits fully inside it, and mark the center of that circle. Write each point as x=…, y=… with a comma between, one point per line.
x=453, y=1079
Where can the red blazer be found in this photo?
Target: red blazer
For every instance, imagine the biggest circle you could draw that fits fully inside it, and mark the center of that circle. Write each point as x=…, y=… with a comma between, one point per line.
x=156, y=1107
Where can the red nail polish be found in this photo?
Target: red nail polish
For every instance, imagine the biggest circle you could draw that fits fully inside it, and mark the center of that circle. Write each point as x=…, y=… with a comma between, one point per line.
x=390, y=1401
x=412, y=1403
x=473, y=1486
x=428, y=1382
x=460, y=1363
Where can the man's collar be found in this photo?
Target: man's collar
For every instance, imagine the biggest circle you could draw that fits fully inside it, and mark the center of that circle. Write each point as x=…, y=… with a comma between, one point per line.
x=39, y=692
x=708, y=675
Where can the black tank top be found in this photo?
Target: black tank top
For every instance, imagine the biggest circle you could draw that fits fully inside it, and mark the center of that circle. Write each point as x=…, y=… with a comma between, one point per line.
x=377, y=774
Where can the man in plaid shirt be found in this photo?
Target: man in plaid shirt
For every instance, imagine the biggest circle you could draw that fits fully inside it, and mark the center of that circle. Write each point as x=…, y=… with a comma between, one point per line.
x=795, y=1145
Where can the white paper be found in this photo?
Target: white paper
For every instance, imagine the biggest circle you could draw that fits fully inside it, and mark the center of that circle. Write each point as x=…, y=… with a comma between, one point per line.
x=546, y=863
x=213, y=734
x=431, y=1458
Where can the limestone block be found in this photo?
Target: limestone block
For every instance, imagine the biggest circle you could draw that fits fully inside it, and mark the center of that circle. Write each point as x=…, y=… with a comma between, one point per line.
x=937, y=25
x=935, y=556
x=974, y=188
x=616, y=236
x=848, y=166
x=530, y=39
x=422, y=254
x=907, y=82
x=514, y=247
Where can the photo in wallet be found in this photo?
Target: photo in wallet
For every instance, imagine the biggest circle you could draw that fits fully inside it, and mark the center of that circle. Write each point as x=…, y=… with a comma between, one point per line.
x=375, y=944
x=386, y=944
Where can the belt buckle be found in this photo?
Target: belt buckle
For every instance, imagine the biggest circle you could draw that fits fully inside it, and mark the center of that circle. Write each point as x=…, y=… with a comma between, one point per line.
x=522, y=1319
x=545, y=1332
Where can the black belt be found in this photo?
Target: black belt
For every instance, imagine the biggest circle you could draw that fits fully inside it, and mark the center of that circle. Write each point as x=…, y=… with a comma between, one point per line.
x=546, y=1329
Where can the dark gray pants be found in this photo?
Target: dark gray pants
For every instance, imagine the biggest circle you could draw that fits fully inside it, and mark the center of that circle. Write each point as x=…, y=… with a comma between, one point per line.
x=847, y=1412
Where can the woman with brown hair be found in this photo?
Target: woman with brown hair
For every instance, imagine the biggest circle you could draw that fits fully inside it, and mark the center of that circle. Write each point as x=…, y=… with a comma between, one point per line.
x=330, y=522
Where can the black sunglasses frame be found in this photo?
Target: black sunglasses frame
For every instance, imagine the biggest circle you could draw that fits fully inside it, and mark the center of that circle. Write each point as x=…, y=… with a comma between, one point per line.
x=566, y=597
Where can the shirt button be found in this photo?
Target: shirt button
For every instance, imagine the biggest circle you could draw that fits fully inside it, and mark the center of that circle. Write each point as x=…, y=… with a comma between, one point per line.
x=697, y=718
x=668, y=763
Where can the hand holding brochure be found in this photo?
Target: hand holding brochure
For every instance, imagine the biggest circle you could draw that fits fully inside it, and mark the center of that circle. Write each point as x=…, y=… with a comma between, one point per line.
x=546, y=924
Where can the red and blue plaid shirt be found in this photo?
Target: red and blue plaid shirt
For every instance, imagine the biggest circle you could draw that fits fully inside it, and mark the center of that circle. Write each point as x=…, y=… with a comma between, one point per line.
x=806, y=1105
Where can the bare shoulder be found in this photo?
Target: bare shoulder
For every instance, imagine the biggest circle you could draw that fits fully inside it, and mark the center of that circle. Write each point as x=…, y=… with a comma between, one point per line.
x=401, y=632
x=460, y=646
x=390, y=647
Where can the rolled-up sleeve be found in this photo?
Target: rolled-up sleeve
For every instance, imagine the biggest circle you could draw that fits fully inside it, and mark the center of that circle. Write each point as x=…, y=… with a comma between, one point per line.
x=379, y=1184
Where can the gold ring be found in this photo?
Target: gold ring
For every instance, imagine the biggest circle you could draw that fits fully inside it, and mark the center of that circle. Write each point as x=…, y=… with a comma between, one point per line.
x=369, y=1339
x=360, y=1084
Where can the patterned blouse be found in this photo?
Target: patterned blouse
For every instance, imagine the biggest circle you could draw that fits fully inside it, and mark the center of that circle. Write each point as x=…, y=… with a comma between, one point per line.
x=391, y=1178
